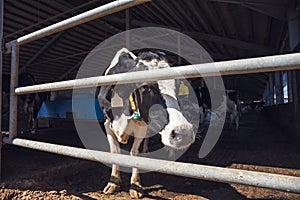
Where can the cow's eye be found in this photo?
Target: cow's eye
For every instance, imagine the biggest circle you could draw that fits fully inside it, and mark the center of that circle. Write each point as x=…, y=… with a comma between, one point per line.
x=148, y=59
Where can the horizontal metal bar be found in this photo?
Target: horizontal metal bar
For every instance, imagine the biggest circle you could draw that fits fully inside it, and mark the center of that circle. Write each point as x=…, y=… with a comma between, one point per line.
x=243, y=66
x=211, y=173
x=90, y=15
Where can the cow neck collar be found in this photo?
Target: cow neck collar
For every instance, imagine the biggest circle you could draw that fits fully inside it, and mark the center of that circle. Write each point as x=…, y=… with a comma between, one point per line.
x=136, y=114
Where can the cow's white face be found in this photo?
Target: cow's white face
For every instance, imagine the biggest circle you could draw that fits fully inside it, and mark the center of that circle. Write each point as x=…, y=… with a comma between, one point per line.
x=178, y=133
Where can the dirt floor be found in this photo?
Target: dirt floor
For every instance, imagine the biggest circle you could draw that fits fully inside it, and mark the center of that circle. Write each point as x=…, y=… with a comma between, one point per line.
x=258, y=145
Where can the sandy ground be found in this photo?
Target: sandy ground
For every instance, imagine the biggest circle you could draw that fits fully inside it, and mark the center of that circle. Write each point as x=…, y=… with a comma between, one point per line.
x=257, y=146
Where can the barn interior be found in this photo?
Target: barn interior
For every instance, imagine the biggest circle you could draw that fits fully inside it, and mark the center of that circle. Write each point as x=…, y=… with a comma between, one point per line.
x=269, y=134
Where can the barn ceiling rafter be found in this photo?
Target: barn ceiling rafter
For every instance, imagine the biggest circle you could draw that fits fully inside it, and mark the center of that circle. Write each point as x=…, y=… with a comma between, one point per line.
x=227, y=29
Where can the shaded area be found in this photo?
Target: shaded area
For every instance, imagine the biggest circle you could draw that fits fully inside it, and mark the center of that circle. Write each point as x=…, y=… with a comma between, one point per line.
x=258, y=146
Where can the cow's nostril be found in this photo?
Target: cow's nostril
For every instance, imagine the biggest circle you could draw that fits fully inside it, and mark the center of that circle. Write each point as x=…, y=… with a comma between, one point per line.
x=177, y=137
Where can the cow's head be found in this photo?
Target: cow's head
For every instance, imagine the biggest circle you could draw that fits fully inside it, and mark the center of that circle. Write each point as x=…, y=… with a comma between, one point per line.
x=176, y=132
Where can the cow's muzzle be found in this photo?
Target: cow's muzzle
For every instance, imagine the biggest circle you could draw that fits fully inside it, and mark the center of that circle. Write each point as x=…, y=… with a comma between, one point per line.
x=181, y=138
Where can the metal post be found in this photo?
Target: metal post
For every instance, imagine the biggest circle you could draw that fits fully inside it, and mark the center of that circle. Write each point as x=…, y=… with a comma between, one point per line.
x=127, y=27
x=297, y=102
x=279, y=87
x=90, y=15
x=1, y=71
x=295, y=95
x=290, y=85
x=179, y=50
x=234, y=67
x=271, y=89
x=266, y=95
x=219, y=174
x=293, y=16
x=13, y=107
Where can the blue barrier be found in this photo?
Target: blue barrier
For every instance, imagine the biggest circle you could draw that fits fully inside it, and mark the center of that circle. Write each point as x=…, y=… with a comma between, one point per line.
x=83, y=107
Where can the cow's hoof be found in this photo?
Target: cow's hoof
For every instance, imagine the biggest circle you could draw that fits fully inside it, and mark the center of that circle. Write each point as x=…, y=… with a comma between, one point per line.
x=136, y=191
x=111, y=188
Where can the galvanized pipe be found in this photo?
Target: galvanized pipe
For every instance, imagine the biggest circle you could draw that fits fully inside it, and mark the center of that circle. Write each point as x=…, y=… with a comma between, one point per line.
x=1, y=59
x=234, y=67
x=13, y=106
x=90, y=15
x=211, y=173
x=1, y=79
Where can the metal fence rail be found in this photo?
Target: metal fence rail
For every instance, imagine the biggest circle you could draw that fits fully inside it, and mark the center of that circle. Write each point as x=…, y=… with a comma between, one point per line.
x=243, y=66
x=90, y=15
x=255, y=65
x=211, y=173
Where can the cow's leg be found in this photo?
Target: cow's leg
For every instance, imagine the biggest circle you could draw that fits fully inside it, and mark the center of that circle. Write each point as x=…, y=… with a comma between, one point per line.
x=231, y=119
x=140, y=131
x=115, y=180
x=237, y=119
x=30, y=125
x=136, y=190
x=145, y=145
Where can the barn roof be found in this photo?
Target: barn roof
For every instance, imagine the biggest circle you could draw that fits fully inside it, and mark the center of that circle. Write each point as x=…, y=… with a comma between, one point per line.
x=227, y=29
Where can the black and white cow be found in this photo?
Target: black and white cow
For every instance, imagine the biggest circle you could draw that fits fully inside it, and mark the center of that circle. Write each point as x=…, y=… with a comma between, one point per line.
x=136, y=108
x=233, y=107
x=230, y=101
x=29, y=103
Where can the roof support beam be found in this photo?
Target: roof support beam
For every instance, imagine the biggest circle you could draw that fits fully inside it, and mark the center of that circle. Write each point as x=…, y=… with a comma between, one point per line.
x=90, y=15
x=41, y=51
x=273, y=9
x=69, y=71
x=204, y=36
x=66, y=5
x=232, y=42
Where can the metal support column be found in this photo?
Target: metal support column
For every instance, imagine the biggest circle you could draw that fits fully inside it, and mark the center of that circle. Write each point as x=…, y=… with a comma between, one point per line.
x=290, y=85
x=179, y=50
x=127, y=27
x=266, y=95
x=1, y=66
x=295, y=93
x=279, y=87
x=293, y=25
x=13, y=107
x=294, y=40
x=271, y=89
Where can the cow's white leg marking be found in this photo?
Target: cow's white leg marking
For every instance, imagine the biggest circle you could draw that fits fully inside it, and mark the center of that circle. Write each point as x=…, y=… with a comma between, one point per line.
x=114, y=184
x=140, y=132
x=136, y=188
